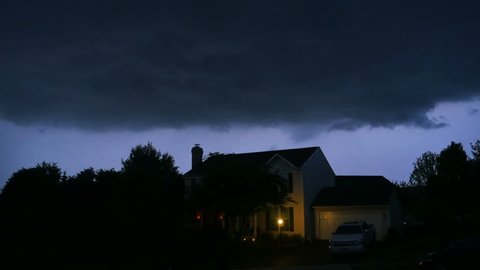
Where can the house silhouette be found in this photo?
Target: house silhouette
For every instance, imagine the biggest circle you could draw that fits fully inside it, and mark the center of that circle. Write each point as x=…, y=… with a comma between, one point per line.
x=320, y=199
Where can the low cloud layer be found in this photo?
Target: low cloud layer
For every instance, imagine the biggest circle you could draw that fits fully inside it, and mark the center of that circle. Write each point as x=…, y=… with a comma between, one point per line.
x=134, y=65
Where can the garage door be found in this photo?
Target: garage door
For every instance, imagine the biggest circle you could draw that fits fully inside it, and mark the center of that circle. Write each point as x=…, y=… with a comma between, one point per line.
x=328, y=221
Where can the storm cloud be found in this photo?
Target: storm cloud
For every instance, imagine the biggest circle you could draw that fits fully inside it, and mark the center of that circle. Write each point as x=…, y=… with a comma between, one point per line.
x=137, y=65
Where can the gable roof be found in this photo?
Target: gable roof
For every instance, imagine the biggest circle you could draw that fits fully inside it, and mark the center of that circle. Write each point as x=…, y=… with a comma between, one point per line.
x=254, y=160
x=356, y=191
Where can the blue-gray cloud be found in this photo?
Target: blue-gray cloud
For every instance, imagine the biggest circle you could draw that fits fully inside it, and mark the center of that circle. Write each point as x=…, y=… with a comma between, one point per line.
x=341, y=64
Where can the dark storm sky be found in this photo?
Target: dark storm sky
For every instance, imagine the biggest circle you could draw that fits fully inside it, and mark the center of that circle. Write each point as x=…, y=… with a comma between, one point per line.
x=374, y=83
x=139, y=65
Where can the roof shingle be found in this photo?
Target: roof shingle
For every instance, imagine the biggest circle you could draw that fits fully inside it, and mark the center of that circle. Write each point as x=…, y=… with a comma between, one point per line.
x=254, y=160
x=356, y=190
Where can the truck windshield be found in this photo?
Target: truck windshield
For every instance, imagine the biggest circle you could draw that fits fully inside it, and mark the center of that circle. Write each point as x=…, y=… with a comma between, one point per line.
x=348, y=230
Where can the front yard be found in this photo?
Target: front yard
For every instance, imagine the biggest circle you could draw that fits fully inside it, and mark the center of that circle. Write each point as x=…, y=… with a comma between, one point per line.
x=394, y=255
x=259, y=255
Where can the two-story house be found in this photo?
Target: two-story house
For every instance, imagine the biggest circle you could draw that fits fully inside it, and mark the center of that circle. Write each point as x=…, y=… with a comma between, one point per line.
x=304, y=170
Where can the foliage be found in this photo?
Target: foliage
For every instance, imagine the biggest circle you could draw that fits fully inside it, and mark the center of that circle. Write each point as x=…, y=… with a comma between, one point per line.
x=446, y=185
x=29, y=212
x=103, y=219
x=150, y=198
x=424, y=168
x=452, y=161
x=475, y=161
x=146, y=161
x=151, y=179
x=214, y=154
x=476, y=150
x=239, y=191
x=32, y=185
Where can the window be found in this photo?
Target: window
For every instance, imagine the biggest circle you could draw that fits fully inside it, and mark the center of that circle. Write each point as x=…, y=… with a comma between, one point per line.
x=273, y=215
x=290, y=183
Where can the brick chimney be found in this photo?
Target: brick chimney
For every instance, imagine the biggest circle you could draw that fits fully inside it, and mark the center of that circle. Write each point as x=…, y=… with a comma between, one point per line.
x=197, y=155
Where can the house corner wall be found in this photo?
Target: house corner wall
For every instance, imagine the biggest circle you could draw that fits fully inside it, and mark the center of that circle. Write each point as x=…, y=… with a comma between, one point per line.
x=283, y=169
x=395, y=211
x=317, y=174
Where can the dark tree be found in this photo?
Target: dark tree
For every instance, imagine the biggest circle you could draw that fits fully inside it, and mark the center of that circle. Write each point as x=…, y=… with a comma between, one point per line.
x=242, y=192
x=152, y=203
x=476, y=151
x=239, y=192
x=95, y=219
x=86, y=176
x=453, y=190
x=452, y=161
x=33, y=185
x=29, y=215
x=152, y=178
x=445, y=187
x=424, y=168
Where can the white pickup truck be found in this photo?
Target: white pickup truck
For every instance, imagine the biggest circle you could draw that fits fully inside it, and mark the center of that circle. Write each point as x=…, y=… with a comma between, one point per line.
x=352, y=237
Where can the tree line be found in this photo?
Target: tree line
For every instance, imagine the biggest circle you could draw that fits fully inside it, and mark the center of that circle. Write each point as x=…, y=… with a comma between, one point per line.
x=105, y=218
x=135, y=218
x=443, y=189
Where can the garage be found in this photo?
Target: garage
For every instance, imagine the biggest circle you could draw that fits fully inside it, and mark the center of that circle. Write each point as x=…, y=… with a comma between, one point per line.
x=357, y=198
x=327, y=219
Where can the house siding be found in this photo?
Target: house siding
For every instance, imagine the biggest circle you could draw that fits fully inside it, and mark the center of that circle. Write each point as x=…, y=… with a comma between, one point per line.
x=298, y=199
x=317, y=173
x=395, y=213
x=283, y=168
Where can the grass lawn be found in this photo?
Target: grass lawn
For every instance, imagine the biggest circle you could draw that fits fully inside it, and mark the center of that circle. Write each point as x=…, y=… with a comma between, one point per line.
x=254, y=255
